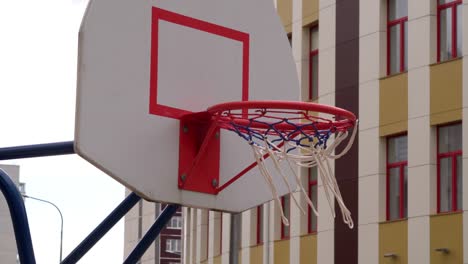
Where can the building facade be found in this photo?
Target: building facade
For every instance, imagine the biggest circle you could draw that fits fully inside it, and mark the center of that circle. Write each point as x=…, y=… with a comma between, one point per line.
x=399, y=65
x=167, y=248
x=8, y=250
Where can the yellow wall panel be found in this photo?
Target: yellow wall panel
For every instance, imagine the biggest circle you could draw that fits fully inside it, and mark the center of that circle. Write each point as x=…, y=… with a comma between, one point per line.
x=393, y=239
x=447, y=232
x=310, y=10
x=256, y=254
x=281, y=249
x=308, y=249
x=285, y=13
x=217, y=260
x=394, y=104
x=446, y=92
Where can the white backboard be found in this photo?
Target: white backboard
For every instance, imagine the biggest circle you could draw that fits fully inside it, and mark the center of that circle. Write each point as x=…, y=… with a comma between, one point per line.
x=144, y=64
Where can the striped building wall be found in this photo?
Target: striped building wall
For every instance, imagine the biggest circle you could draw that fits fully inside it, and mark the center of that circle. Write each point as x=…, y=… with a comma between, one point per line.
x=417, y=101
x=138, y=221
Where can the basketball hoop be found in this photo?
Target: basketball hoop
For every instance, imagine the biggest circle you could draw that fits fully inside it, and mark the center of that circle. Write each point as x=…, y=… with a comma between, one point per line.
x=300, y=133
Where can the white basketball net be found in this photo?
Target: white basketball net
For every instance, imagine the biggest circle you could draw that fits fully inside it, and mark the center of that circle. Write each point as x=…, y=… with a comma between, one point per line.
x=312, y=155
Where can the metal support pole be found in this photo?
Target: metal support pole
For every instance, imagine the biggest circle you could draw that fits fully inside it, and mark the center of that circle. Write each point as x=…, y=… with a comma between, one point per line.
x=102, y=229
x=152, y=234
x=61, y=220
x=40, y=150
x=235, y=238
x=19, y=218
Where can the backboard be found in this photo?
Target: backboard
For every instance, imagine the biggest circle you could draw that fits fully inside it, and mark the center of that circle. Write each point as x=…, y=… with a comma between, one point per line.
x=144, y=66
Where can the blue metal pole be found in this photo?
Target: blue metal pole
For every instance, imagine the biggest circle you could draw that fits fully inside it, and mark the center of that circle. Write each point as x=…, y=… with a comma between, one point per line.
x=102, y=229
x=19, y=217
x=152, y=234
x=39, y=150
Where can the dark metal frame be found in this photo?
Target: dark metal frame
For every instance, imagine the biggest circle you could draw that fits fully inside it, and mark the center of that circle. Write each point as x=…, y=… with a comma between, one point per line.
x=20, y=219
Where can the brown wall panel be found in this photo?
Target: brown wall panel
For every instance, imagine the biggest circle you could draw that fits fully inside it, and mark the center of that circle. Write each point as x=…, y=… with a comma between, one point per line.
x=347, y=96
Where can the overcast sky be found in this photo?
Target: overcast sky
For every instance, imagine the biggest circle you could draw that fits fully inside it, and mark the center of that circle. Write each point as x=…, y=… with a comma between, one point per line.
x=38, y=52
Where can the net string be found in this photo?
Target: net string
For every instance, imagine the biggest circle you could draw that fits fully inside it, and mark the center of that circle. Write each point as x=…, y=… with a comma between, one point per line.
x=315, y=155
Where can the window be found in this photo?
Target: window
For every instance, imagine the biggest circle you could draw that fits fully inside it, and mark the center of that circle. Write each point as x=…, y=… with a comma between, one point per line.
x=173, y=245
x=260, y=224
x=449, y=167
x=312, y=223
x=286, y=203
x=449, y=31
x=175, y=223
x=397, y=177
x=397, y=32
x=313, y=63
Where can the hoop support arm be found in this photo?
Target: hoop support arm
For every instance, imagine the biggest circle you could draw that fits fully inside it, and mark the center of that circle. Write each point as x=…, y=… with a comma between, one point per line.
x=199, y=151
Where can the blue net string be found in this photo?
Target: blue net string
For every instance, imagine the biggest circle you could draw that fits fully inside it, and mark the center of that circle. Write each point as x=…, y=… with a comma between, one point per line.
x=298, y=135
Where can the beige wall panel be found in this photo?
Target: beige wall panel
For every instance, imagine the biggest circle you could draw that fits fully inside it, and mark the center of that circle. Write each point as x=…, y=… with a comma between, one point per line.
x=326, y=3
x=256, y=254
x=393, y=239
x=465, y=29
x=369, y=200
x=447, y=232
x=327, y=18
x=294, y=250
x=446, y=92
x=131, y=229
x=418, y=240
x=325, y=219
x=465, y=83
x=285, y=12
x=417, y=9
x=308, y=249
x=368, y=239
x=422, y=142
x=421, y=190
x=370, y=145
x=326, y=247
x=369, y=57
x=281, y=250
x=419, y=38
x=465, y=172
x=225, y=232
x=326, y=81
x=369, y=105
x=371, y=18
x=310, y=11
x=296, y=215
x=419, y=92
x=394, y=104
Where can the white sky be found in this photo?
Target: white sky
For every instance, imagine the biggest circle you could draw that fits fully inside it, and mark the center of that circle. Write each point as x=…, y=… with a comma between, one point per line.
x=38, y=52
